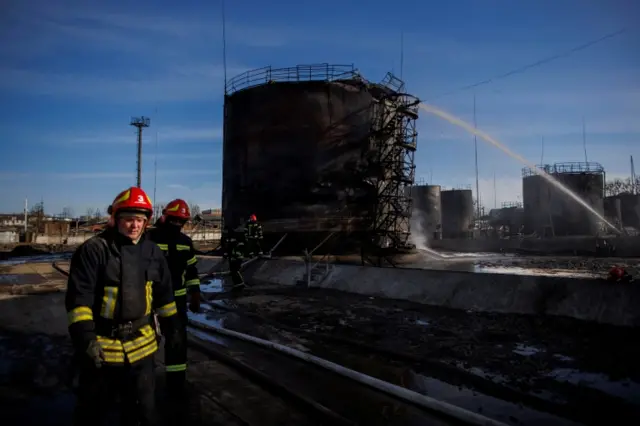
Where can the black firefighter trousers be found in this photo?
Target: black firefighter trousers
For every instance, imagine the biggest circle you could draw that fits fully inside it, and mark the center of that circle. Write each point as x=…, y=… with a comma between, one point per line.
x=234, y=268
x=175, y=357
x=99, y=388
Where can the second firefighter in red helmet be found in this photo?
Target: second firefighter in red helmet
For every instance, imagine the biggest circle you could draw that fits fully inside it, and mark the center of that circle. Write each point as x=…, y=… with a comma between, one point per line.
x=181, y=257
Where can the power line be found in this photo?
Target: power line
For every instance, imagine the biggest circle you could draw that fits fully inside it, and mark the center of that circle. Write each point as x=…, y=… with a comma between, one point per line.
x=224, y=46
x=534, y=64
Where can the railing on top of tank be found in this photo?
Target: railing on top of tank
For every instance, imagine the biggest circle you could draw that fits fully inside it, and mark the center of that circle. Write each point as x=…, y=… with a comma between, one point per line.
x=577, y=167
x=315, y=72
x=461, y=187
x=510, y=204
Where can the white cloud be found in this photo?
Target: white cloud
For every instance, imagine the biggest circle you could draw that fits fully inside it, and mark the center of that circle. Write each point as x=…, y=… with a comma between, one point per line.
x=186, y=155
x=166, y=136
x=205, y=195
x=177, y=186
x=110, y=175
x=168, y=87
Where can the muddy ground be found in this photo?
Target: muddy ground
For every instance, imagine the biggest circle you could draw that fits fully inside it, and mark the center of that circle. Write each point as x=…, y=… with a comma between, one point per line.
x=37, y=378
x=543, y=357
x=578, y=365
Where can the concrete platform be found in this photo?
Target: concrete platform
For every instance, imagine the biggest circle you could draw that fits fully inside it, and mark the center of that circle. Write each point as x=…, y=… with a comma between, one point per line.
x=580, y=298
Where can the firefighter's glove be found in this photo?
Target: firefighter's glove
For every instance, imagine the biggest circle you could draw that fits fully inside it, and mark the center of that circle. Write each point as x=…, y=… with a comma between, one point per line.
x=194, y=302
x=95, y=353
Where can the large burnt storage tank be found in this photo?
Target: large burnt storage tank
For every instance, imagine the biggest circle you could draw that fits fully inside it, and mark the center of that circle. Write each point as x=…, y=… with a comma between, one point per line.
x=427, y=208
x=457, y=212
x=549, y=211
x=300, y=148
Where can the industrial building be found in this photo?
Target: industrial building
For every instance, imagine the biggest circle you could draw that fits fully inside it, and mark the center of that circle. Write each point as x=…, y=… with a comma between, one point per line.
x=550, y=212
x=318, y=149
x=508, y=220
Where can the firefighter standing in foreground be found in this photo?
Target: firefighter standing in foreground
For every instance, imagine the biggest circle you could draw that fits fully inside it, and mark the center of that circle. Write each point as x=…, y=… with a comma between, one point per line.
x=116, y=280
x=253, y=237
x=180, y=254
x=234, y=248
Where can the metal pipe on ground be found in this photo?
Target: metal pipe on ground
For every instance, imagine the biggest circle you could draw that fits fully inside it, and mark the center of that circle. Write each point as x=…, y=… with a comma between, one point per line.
x=215, y=274
x=401, y=393
x=435, y=367
x=264, y=379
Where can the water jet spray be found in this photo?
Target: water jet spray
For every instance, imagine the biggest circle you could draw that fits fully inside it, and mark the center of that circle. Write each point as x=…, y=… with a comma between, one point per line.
x=487, y=138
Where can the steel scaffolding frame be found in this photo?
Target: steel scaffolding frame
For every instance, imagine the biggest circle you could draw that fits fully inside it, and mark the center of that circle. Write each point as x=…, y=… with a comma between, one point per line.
x=393, y=142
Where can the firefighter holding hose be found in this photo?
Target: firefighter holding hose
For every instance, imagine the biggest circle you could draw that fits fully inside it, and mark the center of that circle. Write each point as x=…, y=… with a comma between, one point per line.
x=180, y=254
x=233, y=251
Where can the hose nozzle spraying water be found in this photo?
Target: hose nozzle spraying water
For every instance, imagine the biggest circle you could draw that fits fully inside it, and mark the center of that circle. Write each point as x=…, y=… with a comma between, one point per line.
x=482, y=135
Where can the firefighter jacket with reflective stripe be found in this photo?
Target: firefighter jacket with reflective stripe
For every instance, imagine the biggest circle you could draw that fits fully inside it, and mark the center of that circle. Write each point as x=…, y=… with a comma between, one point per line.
x=234, y=247
x=115, y=283
x=253, y=231
x=181, y=257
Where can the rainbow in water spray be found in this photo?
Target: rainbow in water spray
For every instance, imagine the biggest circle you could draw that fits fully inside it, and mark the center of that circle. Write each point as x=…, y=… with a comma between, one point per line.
x=482, y=135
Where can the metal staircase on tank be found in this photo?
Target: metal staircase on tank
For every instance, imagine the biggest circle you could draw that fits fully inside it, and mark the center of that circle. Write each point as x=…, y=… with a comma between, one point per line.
x=317, y=272
x=393, y=142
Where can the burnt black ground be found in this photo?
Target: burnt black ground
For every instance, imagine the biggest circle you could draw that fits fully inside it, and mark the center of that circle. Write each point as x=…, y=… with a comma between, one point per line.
x=521, y=352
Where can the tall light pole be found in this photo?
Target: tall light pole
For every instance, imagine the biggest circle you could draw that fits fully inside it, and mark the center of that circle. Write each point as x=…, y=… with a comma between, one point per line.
x=475, y=143
x=140, y=123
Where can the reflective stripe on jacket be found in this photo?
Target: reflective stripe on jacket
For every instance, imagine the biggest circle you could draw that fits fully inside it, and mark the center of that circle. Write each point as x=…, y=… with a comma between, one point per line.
x=112, y=280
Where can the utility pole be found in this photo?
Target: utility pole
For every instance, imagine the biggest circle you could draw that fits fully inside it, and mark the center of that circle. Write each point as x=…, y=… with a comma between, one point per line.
x=495, y=193
x=26, y=206
x=140, y=123
x=155, y=165
x=475, y=142
x=584, y=140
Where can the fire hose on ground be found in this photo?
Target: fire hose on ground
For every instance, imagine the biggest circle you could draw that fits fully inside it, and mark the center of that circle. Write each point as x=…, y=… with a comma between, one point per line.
x=399, y=392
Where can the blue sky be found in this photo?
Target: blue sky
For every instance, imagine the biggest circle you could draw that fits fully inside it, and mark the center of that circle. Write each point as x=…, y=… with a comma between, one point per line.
x=72, y=73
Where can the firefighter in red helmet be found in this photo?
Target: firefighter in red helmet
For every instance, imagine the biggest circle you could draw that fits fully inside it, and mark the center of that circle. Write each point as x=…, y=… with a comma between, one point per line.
x=253, y=236
x=116, y=280
x=181, y=257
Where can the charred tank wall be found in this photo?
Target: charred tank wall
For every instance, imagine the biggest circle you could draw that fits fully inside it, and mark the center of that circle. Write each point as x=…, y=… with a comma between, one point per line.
x=550, y=211
x=457, y=213
x=292, y=151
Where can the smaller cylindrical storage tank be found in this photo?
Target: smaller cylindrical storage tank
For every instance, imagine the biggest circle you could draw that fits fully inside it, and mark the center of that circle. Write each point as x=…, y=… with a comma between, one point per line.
x=427, y=210
x=457, y=212
x=625, y=208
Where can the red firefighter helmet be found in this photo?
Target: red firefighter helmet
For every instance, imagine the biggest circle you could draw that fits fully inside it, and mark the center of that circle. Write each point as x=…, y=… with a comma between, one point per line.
x=616, y=273
x=253, y=218
x=177, y=208
x=133, y=199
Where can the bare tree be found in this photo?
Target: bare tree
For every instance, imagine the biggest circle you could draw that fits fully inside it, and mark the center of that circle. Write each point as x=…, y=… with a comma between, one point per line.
x=89, y=214
x=37, y=209
x=195, y=209
x=621, y=186
x=97, y=214
x=37, y=213
x=157, y=210
x=67, y=213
